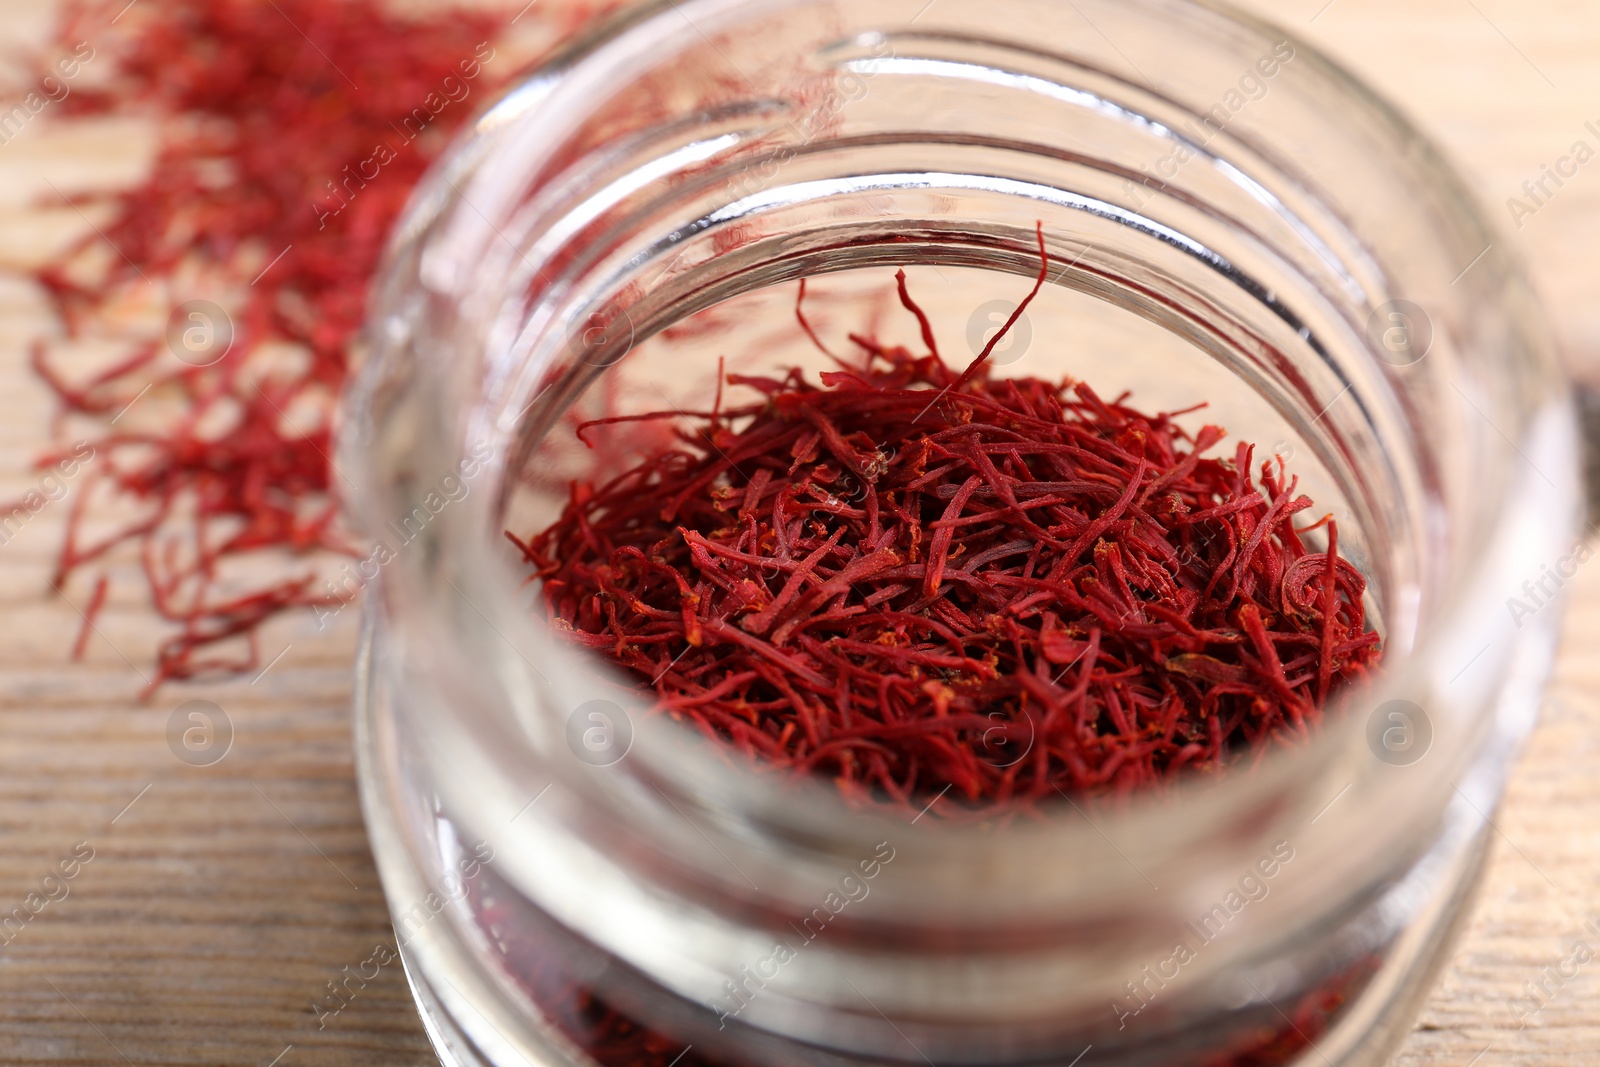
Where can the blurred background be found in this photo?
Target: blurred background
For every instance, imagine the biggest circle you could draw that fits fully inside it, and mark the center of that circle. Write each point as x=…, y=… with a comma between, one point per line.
x=218, y=888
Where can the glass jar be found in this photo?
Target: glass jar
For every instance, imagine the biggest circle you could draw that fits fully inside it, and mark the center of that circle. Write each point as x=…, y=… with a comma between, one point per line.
x=1230, y=218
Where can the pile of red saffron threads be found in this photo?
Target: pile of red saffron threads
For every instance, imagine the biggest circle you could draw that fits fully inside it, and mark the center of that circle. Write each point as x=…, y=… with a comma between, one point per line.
x=291, y=134
x=913, y=581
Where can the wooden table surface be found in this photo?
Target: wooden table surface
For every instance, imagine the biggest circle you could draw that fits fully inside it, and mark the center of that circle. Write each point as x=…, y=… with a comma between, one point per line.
x=220, y=900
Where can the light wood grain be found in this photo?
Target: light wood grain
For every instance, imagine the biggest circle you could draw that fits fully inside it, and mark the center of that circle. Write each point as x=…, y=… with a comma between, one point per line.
x=219, y=904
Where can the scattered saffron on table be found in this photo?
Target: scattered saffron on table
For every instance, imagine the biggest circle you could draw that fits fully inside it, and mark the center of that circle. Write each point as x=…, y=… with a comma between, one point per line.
x=291, y=134
x=912, y=581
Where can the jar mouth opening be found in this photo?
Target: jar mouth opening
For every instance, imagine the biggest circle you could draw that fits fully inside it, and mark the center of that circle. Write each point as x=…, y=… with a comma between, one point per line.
x=595, y=242
x=859, y=252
